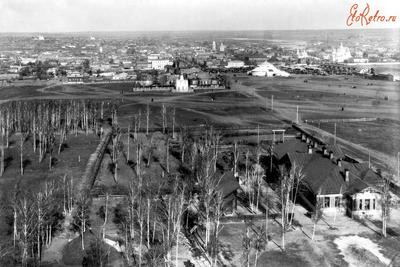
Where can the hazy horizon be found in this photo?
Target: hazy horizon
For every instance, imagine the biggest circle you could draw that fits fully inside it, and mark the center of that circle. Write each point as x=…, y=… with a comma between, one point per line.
x=77, y=16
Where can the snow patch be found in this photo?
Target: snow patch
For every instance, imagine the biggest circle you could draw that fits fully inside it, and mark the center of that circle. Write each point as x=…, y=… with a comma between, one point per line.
x=113, y=244
x=345, y=242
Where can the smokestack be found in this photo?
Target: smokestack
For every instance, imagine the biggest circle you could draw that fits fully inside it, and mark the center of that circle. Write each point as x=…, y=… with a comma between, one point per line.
x=309, y=150
x=346, y=176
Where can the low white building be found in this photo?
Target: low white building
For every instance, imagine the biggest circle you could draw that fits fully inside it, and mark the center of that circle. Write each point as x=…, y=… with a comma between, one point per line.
x=235, y=64
x=266, y=69
x=160, y=64
x=120, y=76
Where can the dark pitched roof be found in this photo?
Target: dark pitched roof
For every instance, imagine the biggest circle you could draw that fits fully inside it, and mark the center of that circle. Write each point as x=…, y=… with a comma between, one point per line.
x=227, y=184
x=323, y=176
x=336, y=150
x=361, y=177
x=289, y=146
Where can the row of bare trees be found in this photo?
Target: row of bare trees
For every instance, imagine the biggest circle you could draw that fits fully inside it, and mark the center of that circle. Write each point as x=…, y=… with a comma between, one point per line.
x=45, y=121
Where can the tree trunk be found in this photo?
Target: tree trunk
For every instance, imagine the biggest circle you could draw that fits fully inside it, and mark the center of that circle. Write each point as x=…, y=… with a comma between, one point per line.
x=148, y=223
x=22, y=154
x=313, y=232
x=105, y=216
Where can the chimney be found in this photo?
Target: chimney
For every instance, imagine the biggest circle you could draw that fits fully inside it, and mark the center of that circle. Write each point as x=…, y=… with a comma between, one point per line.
x=309, y=150
x=346, y=175
x=339, y=163
x=331, y=155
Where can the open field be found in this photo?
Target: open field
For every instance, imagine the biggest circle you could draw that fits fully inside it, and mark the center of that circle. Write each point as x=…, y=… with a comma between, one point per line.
x=324, y=97
x=373, y=134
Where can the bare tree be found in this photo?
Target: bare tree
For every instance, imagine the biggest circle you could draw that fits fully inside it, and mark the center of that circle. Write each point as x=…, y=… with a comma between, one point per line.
x=147, y=118
x=385, y=203
x=317, y=213
x=128, y=141
x=105, y=215
x=235, y=158
x=285, y=189
x=21, y=150
x=173, y=123
x=297, y=175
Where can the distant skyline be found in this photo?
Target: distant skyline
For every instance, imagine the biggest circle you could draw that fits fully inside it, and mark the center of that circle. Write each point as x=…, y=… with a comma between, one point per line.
x=185, y=15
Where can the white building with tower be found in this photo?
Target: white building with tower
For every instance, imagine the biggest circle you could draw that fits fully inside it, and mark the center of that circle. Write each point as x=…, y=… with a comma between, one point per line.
x=182, y=85
x=222, y=48
x=214, y=46
x=340, y=54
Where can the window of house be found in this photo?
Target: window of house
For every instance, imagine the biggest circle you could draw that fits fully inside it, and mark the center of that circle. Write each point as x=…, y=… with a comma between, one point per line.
x=327, y=201
x=337, y=202
x=367, y=204
x=374, y=204
x=360, y=206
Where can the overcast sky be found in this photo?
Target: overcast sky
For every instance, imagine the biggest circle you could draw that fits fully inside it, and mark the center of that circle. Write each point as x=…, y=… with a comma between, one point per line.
x=145, y=15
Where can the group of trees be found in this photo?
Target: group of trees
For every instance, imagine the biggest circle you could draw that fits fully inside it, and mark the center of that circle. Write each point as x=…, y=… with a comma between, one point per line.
x=33, y=218
x=34, y=215
x=46, y=123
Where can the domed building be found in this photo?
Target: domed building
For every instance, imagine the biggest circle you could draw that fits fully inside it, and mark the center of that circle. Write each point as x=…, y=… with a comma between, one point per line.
x=340, y=54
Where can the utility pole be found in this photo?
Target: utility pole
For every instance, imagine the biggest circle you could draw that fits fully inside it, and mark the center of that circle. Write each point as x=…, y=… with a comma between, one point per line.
x=335, y=134
x=297, y=114
x=369, y=159
x=398, y=165
x=272, y=103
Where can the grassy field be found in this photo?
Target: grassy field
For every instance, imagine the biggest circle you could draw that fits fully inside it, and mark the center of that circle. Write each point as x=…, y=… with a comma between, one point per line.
x=35, y=173
x=320, y=98
x=382, y=135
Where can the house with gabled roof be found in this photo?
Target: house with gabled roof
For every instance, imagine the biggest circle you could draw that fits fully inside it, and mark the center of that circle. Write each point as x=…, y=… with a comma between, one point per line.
x=342, y=187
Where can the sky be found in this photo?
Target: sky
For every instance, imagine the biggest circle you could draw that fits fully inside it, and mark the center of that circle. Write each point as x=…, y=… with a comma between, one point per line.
x=184, y=15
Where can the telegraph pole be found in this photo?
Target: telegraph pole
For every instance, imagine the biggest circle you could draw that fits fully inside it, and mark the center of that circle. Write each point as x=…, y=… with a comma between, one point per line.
x=335, y=134
x=398, y=165
x=369, y=159
x=272, y=102
x=297, y=114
